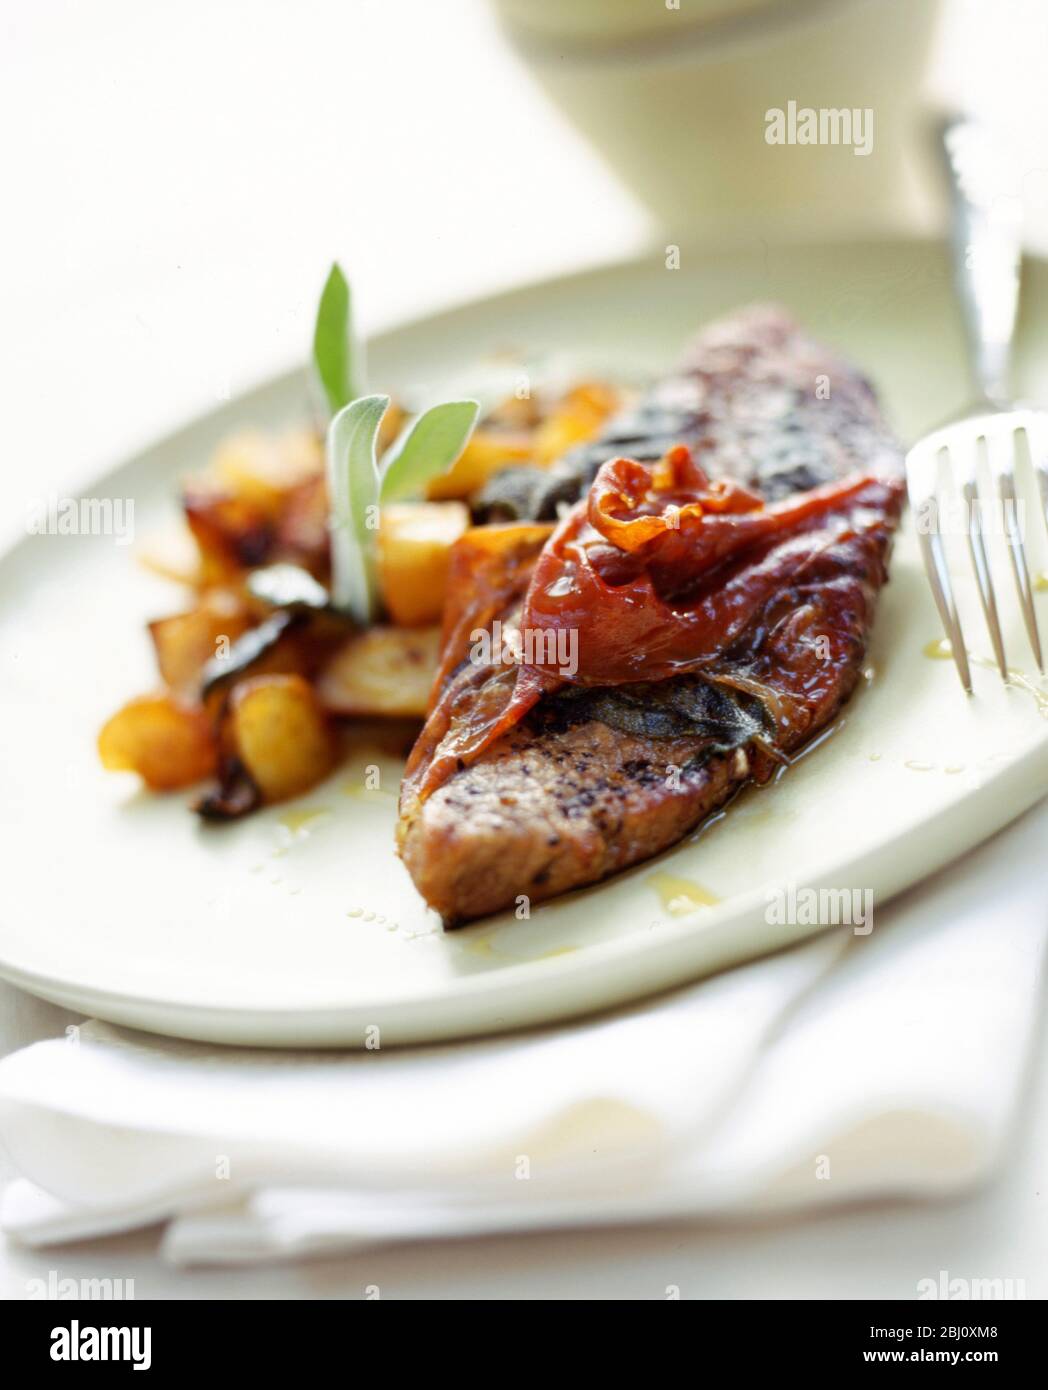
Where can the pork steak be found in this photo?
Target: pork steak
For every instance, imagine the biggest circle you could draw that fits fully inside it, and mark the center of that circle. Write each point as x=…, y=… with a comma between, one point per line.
x=594, y=780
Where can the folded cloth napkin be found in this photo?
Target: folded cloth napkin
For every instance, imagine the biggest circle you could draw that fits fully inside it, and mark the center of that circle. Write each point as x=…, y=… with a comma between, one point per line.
x=849, y=1067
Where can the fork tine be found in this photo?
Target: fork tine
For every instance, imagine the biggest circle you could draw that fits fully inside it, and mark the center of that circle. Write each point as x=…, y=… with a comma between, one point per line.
x=939, y=578
x=1001, y=452
x=965, y=454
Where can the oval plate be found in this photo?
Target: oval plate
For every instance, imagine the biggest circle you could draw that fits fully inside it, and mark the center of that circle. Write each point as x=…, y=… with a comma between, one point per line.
x=299, y=927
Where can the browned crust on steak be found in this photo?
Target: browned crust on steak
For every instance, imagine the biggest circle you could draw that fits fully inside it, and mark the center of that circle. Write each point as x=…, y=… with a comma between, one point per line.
x=547, y=810
x=555, y=806
x=542, y=812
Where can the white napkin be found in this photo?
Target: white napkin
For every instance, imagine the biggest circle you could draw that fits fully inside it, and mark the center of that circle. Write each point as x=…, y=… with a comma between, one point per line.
x=850, y=1067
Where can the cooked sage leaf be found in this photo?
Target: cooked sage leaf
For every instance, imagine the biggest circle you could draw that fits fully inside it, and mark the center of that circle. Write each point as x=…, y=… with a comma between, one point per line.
x=352, y=473
x=336, y=353
x=356, y=486
x=427, y=448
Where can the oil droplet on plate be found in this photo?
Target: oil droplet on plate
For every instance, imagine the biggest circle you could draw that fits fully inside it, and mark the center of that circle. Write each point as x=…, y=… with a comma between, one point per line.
x=479, y=946
x=558, y=951
x=363, y=793
x=302, y=816
x=875, y=757
x=297, y=824
x=681, y=896
x=1041, y=582
x=355, y=912
x=915, y=766
x=1021, y=681
x=1038, y=692
x=954, y=768
x=939, y=650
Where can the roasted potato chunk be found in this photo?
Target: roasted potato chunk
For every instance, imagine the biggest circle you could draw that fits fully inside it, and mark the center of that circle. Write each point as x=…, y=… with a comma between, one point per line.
x=185, y=642
x=168, y=743
x=302, y=528
x=487, y=451
x=263, y=469
x=575, y=419
x=383, y=671
x=232, y=533
x=280, y=735
x=172, y=553
x=414, y=539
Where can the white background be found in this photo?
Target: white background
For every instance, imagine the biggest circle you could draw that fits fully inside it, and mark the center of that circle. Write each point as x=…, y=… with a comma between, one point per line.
x=175, y=181
x=176, y=178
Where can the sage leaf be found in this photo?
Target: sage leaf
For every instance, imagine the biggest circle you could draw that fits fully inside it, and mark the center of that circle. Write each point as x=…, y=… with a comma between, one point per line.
x=337, y=357
x=353, y=486
x=427, y=448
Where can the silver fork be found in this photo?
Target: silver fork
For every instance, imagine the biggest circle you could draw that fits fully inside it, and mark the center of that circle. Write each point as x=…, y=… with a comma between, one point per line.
x=987, y=255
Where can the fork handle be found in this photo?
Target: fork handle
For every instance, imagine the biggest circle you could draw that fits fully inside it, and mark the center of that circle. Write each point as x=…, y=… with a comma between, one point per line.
x=987, y=254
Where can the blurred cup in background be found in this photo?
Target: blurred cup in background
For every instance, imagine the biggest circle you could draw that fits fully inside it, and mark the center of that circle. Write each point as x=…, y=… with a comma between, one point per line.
x=707, y=111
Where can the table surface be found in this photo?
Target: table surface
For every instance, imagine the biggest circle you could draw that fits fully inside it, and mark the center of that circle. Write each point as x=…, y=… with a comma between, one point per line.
x=168, y=185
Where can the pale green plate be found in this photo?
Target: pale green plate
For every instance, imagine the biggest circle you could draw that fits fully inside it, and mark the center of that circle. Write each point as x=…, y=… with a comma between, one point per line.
x=302, y=929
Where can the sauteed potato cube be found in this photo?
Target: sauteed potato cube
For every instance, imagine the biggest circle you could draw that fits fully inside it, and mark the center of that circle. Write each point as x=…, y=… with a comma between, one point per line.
x=414, y=539
x=263, y=468
x=232, y=532
x=302, y=527
x=168, y=743
x=487, y=451
x=280, y=734
x=383, y=671
x=576, y=419
x=172, y=552
x=186, y=641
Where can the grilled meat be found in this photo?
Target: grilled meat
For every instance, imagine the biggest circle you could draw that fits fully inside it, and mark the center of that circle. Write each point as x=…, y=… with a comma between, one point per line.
x=527, y=781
